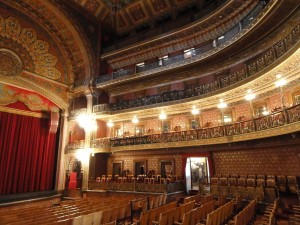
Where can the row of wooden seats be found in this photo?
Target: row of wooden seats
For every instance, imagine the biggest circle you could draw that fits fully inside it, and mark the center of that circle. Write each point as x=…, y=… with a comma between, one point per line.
x=291, y=179
x=193, y=216
x=109, y=215
x=219, y=215
x=246, y=215
x=248, y=193
x=199, y=199
x=282, y=182
x=174, y=215
x=79, y=216
x=68, y=210
x=295, y=218
x=269, y=217
x=147, y=217
x=146, y=203
x=197, y=215
x=243, y=182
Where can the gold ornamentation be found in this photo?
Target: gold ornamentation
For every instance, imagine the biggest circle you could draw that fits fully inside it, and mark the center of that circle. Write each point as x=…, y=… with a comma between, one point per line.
x=38, y=49
x=33, y=101
x=10, y=63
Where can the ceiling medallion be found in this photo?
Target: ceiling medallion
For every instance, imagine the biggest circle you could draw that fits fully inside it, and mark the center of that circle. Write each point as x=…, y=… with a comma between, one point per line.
x=10, y=63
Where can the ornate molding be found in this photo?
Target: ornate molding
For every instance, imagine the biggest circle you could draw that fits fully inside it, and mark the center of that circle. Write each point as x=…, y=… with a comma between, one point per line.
x=10, y=63
x=44, y=62
x=26, y=84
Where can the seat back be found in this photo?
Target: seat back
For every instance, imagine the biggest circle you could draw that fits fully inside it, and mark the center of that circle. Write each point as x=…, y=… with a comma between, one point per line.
x=260, y=183
x=261, y=177
x=241, y=182
x=250, y=182
x=232, y=181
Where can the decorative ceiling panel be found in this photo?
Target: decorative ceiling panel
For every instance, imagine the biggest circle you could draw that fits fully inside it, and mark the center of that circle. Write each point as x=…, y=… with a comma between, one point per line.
x=123, y=13
x=121, y=21
x=159, y=6
x=137, y=12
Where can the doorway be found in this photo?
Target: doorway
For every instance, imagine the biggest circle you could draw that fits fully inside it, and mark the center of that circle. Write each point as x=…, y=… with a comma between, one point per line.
x=196, y=172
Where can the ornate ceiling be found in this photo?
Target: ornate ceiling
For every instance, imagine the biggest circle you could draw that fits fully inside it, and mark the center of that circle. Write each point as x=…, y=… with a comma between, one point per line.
x=124, y=14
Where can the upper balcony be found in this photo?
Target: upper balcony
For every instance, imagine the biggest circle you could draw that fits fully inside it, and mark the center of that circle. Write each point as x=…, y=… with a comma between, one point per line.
x=222, y=80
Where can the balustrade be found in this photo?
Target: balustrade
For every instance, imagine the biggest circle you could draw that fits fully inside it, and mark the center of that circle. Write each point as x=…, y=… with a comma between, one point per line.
x=273, y=120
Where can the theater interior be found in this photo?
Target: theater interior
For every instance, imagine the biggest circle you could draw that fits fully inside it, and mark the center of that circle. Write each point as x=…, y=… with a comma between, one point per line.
x=149, y=112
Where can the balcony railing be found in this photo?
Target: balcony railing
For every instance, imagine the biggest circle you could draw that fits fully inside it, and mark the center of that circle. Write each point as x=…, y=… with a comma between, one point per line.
x=100, y=143
x=276, y=119
x=76, y=145
x=101, y=108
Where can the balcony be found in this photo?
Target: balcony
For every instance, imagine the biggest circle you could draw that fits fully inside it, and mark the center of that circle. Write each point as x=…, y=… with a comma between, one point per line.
x=277, y=123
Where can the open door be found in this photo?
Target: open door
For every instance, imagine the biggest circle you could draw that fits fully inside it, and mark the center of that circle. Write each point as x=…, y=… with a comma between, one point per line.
x=197, y=172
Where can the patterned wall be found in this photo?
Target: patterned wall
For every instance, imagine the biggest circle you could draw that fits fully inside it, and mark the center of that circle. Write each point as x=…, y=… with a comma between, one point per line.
x=128, y=127
x=212, y=116
x=275, y=101
x=152, y=125
x=242, y=110
x=267, y=161
x=179, y=121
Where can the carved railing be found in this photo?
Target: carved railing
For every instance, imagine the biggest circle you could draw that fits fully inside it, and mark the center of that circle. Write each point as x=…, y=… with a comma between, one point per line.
x=276, y=119
x=101, y=108
x=100, y=143
x=76, y=145
x=223, y=79
x=227, y=36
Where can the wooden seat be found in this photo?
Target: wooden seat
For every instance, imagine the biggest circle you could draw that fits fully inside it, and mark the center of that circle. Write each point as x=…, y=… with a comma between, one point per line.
x=242, y=187
x=281, y=181
x=292, y=184
x=251, y=191
x=271, y=190
x=261, y=177
x=234, y=176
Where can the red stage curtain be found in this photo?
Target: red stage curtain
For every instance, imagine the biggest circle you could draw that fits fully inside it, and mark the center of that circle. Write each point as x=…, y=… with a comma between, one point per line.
x=27, y=154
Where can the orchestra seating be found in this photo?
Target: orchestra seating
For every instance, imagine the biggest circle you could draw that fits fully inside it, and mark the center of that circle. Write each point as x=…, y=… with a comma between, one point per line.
x=85, y=211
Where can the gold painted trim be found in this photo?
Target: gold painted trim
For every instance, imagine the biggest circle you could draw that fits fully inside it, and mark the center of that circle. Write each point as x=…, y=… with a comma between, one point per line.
x=28, y=85
x=23, y=112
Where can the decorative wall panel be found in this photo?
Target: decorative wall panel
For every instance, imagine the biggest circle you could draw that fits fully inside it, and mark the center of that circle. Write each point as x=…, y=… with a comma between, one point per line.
x=283, y=160
x=242, y=111
x=152, y=126
x=211, y=117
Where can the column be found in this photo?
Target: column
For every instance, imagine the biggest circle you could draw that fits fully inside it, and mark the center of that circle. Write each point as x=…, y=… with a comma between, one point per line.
x=61, y=170
x=86, y=163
